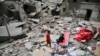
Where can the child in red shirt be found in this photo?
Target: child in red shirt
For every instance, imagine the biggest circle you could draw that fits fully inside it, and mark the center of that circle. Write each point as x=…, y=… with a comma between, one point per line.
x=48, y=38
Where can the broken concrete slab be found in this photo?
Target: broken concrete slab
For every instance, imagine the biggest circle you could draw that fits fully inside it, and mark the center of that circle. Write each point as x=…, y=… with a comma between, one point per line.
x=28, y=45
x=98, y=43
x=16, y=24
x=67, y=19
x=2, y=1
x=79, y=52
x=54, y=37
x=51, y=6
x=34, y=20
x=25, y=1
x=13, y=31
x=38, y=7
x=56, y=1
x=32, y=14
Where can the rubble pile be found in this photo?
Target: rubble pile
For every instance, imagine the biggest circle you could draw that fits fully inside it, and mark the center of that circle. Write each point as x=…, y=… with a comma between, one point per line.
x=20, y=47
x=13, y=29
x=35, y=20
x=36, y=39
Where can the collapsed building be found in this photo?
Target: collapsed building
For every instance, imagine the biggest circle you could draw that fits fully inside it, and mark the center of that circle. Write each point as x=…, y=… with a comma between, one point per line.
x=24, y=23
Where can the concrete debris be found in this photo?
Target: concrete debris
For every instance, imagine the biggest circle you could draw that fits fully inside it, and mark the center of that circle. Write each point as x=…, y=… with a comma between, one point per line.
x=2, y=0
x=89, y=48
x=1, y=51
x=59, y=22
x=98, y=44
x=34, y=41
x=39, y=17
x=32, y=14
x=14, y=30
x=44, y=27
x=38, y=7
x=16, y=24
x=34, y=20
x=28, y=45
x=56, y=1
x=71, y=51
x=25, y=1
x=51, y=6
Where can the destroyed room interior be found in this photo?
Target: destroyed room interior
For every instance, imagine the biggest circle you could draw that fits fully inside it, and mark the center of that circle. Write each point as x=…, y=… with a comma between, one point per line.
x=49, y=27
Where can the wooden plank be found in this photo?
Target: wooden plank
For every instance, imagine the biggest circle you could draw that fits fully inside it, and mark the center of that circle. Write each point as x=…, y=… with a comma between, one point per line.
x=95, y=36
x=97, y=51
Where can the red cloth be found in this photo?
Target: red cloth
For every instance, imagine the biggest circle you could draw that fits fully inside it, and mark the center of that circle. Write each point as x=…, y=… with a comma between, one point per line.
x=48, y=39
x=83, y=34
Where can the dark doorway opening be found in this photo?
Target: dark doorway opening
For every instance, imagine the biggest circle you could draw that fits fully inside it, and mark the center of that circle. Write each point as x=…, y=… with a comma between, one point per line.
x=64, y=9
x=88, y=14
x=99, y=16
x=74, y=0
x=86, y=0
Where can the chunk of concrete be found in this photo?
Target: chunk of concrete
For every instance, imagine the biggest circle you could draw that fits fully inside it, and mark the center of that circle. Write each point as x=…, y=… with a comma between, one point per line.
x=28, y=45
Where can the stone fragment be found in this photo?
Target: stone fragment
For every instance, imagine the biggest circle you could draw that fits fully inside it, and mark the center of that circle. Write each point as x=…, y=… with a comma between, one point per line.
x=28, y=45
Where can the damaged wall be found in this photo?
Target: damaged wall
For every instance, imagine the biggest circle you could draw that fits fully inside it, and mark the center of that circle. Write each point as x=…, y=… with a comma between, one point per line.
x=64, y=8
x=95, y=10
x=85, y=6
x=94, y=1
x=3, y=8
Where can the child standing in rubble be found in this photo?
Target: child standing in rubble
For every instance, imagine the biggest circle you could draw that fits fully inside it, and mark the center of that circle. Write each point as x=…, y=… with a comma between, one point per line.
x=48, y=38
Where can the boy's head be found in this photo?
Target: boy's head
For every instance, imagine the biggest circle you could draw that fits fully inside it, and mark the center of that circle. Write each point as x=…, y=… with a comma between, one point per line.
x=48, y=31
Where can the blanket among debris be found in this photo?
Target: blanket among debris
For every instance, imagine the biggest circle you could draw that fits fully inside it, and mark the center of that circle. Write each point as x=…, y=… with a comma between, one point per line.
x=66, y=38
x=83, y=34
